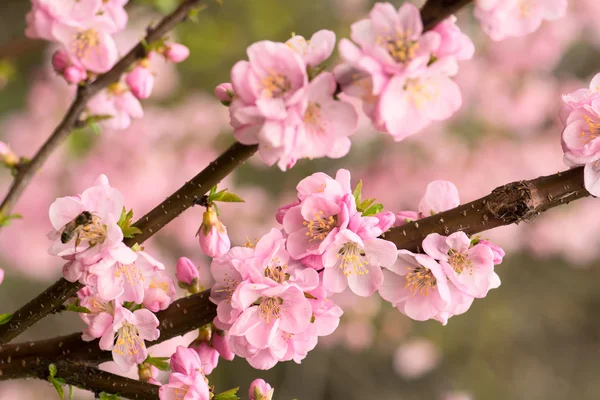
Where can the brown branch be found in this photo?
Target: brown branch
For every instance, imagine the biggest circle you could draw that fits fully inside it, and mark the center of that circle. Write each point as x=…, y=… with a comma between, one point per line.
x=84, y=94
x=435, y=11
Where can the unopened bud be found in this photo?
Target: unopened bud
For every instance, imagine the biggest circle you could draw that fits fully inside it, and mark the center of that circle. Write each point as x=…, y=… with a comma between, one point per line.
x=187, y=275
x=225, y=93
x=260, y=390
x=176, y=52
x=212, y=234
x=7, y=157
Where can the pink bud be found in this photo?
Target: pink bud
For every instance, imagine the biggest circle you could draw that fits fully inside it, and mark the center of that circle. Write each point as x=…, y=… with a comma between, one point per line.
x=220, y=342
x=74, y=74
x=7, y=157
x=260, y=390
x=185, y=361
x=497, y=250
x=187, y=272
x=282, y=210
x=148, y=373
x=386, y=220
x=208, y=356
x=213, y=238
x=60, y=61
x=177, y=52
x=224, y=92
x=140, y=81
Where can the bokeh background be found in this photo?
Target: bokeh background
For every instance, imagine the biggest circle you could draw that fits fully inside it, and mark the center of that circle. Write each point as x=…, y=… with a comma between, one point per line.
x=536, y=337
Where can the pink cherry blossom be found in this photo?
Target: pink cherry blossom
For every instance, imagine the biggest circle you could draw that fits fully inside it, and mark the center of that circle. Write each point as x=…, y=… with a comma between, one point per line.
x=417, y=286
x=501, y=19
x=130, y=329
x=220, y=342
x=317, y=49
x=471, y=269
x=212, y=235
x=98, y=208
x=453, y=42
x=188, y=387
x=208, y=356
x=187, y=273
x=116, y=103
x=88, y=47
x=176, y=52
x=496, y=250
x=140, y=80
x=260, y=390
x=159, y=292
x=185, y=361
x=100, y=317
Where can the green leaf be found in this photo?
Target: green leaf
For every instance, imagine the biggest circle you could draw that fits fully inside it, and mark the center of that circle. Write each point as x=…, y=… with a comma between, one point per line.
x=124, y=223
x=77, y=309
x=5, y=220
x=58, y=387
x=5, y=318
x=213, y=190
x=374, y=209
x=216, y=209
x=107, y=396
x=225, y=197
x=159, y=362
x=357, y=191
x=71, y=392
x=228, y=395
x=365, y=204
x=52, y=369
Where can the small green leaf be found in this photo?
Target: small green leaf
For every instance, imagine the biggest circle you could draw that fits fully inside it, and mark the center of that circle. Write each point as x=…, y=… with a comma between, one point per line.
x=77, y=309
x=159, y=362
x=124, y=223
x=5, y=318
x=52, y=369
x=213, y=190
x=357, y=191
x=5, y=220
x=228, y=395
x=374, y=209
x=58, y=387
x=107, y=396
x=225, y=197
x=216, y=209
x=365, y=204
x=71, y=392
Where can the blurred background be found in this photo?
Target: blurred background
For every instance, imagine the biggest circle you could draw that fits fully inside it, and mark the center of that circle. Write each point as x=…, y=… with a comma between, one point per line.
x=536, y=337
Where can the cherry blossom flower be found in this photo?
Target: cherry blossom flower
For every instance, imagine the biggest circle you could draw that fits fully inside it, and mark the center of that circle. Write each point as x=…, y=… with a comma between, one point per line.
x=181, y=386
x=209, y=356
x=141, y=80
x=130, y=329
x=212, y=235
x=187, y=273
x=220, y=342
x=185, y=361
x=116, y=103
x=316, y=50
x=100, y=317
x=176, y=52
x=471, y=269
x=496, y=250
x=260, y=390
x=159, y=292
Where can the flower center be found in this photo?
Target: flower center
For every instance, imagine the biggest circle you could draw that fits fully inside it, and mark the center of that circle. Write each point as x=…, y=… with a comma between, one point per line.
x=128, y=340
x=312, y=116
x=352, y=260
x=129, y=272
x=419, y=92
x=460, y=262
x=399, y=46
x=85, y=41
x=275, y=85
x=228, y=285
x=319, y=228
x=180, y=393
x=420, y=280
x=594, y=131
x=162, y=285
x=269, y=308
x=525, y=7
x=277, y=272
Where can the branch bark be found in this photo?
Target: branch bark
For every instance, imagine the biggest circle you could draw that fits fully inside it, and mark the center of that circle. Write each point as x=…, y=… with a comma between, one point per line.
x=84, y=94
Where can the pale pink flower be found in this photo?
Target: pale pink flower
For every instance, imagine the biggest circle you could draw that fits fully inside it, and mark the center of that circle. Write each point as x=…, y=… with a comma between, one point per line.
x=125, y=280
x=317, y=49
x=185, y=361
x=140, y=80
x=100, y=317
x=98, y=209
x=220, y=341
x=186, y=272
x=208, y=355
x=352, y=261
x=188, y=387
x=46, y=14
x=417, y=286
x=471, y=269
x=89, y=47
x=159, y=292
x=501, y=19
x=224, y=92
x=113, y=15
x=496, y=250
x=260, y=390
x=453, y=43
x=119, y=104
x=212, y=235
x=176, y=52
x=130, y=329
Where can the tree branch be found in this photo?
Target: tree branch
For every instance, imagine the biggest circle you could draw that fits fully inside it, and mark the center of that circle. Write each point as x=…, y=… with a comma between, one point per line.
x=84, y=94
x=435, y=11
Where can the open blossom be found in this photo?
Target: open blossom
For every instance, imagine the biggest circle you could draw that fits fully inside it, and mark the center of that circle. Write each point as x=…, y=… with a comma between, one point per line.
x=116, y=103
x=317, y=49
x=126, y=336
x=182, y=386
x=471, y=269
x=101, y=314
x=86, y=224
x=212, y=235
x=209, y=356
x=260, y=390
x=401, y=74
x=580, y=137
x=504, y=18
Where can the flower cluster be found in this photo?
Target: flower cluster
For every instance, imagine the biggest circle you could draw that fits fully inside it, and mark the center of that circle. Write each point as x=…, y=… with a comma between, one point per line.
x=87, y=233
x=504, y=18
x=401, y=74
x=454, y=270
x=580, y=137
x=280, y=101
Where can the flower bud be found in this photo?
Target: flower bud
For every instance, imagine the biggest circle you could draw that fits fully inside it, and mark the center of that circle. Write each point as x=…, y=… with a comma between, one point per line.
x=147, y=372
x=185, y=361
x=220, y=342
x=208, y=355
x=7, y=157
x=260, y=390
x=60, y=61
x=141, y=81
x=213, y=238
x=74, y=74
x=187, y=275
x=497, y=250
x=176, y=52
x=224, y=93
